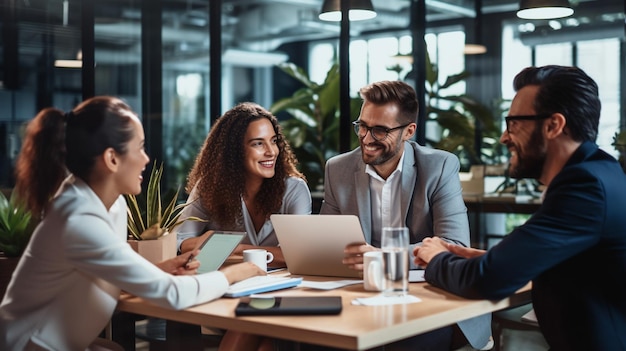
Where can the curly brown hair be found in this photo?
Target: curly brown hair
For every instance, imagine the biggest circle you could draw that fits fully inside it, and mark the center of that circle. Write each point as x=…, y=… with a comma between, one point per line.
x=218, y=172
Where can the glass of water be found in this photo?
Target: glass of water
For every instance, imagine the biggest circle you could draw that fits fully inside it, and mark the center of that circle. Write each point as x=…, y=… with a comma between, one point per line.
x=395, y=247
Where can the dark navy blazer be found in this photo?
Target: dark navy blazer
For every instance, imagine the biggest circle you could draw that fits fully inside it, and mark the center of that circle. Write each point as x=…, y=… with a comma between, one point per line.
x=574, y=251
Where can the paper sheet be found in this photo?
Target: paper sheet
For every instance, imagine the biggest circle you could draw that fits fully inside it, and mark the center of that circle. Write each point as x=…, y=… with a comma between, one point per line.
x=416, y=276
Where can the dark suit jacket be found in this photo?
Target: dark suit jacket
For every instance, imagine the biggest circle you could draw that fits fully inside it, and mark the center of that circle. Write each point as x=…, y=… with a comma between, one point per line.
x=431, y=204
x=574, y=251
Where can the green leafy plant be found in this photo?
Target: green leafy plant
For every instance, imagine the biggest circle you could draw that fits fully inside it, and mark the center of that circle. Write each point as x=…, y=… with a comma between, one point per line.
x=313, y=130
x=619, y=142
x=460, y=118
x=16, y=225
x=148, y=216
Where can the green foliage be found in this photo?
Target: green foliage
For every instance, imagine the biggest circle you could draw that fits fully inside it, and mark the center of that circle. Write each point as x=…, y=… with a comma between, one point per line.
x=460, y=118
x=619, y=142
x=313, y=130
x=148, y=216
x=16, y=226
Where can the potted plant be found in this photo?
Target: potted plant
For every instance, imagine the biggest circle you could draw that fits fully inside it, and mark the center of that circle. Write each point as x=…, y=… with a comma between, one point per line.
x=313, y=130
x=16, y=228
x=151, y=220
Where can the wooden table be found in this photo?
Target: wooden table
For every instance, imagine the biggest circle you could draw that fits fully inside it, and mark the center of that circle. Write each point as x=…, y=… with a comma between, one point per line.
x=356, y=328
x=479, y=204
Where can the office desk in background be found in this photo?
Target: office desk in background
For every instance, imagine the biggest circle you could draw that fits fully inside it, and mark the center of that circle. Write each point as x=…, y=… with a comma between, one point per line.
x=480, y=204
x=356, y=328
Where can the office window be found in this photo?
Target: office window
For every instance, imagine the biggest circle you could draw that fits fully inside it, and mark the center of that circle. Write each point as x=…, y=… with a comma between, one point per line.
x=374, y=59
x=599, y=58
x=553, y=54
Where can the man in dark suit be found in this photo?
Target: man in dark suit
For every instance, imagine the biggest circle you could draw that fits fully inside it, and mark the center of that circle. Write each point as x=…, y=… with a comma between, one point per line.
x=574, y=247
x=391, y=181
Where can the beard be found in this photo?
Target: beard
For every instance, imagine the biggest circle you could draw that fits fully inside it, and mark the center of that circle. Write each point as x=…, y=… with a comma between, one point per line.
x=388, y=153
x=530, y=158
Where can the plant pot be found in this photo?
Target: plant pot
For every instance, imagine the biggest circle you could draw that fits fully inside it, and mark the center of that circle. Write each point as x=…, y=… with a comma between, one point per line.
x=157, y=250
x=7, y=266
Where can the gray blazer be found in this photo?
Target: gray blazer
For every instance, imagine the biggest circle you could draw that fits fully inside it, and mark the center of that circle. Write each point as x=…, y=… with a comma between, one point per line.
x=432, y=205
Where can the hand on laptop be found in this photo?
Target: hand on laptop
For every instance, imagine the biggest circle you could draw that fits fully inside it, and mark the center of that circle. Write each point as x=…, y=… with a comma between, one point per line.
x=241, y=271
x=354, y=255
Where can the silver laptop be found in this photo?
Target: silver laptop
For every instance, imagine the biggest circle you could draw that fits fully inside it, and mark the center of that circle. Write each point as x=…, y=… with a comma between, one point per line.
x=314, y=244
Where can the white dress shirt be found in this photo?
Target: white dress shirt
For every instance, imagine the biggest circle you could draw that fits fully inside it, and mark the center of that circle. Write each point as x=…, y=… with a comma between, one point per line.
x=385, y=197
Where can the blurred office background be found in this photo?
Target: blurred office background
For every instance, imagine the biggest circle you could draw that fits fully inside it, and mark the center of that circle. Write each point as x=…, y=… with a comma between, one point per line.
x=181, y=63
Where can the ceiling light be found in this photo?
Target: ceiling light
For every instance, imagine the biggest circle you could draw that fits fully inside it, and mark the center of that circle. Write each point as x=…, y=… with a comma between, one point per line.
x=68, y=63
x=544, y=9
x=477, y=48
x=77, y=63
x=474, y=49
x=359, y=10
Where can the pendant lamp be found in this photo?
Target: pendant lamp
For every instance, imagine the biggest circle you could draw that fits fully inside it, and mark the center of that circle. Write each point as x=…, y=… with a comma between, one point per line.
x=477, y=48
x=359, y=10
x=544, y=9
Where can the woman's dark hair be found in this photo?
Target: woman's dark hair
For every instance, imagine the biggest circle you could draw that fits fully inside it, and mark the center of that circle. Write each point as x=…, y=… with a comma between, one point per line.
x=58, y=142
x=218, y=173
x=566, y=90
x=396, y=92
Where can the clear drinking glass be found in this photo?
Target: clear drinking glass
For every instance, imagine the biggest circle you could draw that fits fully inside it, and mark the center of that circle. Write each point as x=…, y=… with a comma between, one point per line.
x=395, y=247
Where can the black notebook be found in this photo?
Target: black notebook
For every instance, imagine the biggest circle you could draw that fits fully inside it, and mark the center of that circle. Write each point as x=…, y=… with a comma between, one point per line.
x=288, y=305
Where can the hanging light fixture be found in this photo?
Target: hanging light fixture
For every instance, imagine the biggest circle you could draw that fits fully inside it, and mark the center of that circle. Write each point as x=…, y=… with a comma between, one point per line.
x=477, y=48
x=544, y=9
x=359, y=10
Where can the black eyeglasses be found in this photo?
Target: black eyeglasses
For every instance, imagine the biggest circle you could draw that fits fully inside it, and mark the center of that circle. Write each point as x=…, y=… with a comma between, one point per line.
x=510, y=120
x=378, y=133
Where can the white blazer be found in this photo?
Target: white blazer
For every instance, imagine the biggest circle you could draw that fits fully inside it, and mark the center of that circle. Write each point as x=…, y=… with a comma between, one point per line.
x=66, y=285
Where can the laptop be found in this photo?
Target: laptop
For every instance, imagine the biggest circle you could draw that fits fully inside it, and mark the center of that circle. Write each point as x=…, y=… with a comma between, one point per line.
x=314, y=244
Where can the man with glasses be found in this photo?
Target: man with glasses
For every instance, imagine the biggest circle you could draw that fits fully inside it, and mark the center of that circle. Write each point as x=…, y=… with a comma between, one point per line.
x=391, y=181
x=573, y=248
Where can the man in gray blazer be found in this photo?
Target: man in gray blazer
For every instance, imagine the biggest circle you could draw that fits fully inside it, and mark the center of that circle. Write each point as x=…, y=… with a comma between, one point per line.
x=393, y=181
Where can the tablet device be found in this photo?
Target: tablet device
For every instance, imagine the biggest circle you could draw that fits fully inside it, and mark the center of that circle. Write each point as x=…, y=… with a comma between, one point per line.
x=288, y=305
x=216, y=249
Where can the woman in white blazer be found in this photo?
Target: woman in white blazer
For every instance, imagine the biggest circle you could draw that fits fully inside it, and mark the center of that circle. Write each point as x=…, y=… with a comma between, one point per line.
x=66, y=285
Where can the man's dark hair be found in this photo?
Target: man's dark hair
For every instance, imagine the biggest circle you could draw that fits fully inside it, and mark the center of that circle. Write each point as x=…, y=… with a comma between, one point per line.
x=566, y=90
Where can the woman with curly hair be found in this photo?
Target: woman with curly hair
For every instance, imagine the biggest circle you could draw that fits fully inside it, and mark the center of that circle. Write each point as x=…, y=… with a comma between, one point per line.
x=245, y=172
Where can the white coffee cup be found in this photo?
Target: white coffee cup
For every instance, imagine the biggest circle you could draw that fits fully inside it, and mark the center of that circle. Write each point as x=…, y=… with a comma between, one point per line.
x=373, y=271
x=260, y=257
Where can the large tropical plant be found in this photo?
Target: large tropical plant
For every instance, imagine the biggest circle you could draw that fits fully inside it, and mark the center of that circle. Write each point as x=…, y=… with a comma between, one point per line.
x=149, y=215
x=16, y=225
x=313, y=129
x=460, y=118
